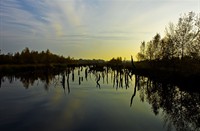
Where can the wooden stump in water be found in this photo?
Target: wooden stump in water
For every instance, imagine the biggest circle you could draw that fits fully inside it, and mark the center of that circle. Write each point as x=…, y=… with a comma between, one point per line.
x=134, y=67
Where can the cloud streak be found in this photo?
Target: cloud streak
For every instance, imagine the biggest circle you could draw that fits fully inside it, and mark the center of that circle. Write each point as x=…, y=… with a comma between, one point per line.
x=80, y=22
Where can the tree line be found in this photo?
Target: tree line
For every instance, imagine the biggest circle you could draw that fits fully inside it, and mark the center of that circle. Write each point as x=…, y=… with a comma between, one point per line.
x=33, y=57
x=181, y=41
x=46, y=57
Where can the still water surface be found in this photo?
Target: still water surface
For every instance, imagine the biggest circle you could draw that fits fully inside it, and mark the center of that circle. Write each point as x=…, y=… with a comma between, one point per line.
x=83, y=99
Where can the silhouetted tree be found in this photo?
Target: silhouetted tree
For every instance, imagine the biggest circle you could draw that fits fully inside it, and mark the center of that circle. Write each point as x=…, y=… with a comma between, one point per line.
x=149, y=50
x=116, y=61
x=156, y=46
x=141, y=54
x=180, y=40
x=187, y=29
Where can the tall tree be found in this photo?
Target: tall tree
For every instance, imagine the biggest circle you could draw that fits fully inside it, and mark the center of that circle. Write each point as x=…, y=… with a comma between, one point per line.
x=193, y=49
x=181, y=40
x=171, y=43
x=141, y=54
x=156, y=46
x=187, y=29
x=149, y=50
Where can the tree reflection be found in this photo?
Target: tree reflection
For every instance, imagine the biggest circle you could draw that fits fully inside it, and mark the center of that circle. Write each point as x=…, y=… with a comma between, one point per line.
x=47, y=76
x=134, y=92
x=63, y=81
x=68, y=73
x=28, y=78
x=98, y=77
x=86, y=73
x=179, y=108
x=121, y=78
x=0, y=80
x=73, y=74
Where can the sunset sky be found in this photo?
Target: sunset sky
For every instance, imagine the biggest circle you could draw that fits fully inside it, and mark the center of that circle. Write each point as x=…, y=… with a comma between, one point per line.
x=99, y=29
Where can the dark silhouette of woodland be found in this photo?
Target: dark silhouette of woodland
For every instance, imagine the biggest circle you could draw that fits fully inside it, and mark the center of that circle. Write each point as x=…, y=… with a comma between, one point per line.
x=177, y=54
x=33, y=57
x=181, y=41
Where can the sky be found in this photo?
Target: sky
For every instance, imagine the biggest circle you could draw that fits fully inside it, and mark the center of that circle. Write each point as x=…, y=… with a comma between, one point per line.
x=99, y=29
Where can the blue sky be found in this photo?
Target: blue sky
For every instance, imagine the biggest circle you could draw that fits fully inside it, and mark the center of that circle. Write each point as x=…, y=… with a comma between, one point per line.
x=86, y=28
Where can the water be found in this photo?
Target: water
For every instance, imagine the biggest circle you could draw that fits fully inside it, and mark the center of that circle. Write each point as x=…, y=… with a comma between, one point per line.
x=83, y=99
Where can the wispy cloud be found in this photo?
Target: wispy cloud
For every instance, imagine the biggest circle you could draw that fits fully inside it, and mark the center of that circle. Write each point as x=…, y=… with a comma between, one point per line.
x=63, y=23
x=16, y=21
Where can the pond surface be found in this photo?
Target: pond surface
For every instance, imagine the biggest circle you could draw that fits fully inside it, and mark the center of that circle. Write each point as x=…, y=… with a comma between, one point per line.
x=83, y=99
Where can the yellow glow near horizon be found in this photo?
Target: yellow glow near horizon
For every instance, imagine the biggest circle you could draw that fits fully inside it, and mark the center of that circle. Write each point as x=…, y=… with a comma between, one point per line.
x=87, y=29
x=109, y=50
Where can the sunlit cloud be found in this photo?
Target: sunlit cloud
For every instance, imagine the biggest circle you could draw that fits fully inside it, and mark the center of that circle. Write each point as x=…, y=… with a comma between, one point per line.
x=58, y=29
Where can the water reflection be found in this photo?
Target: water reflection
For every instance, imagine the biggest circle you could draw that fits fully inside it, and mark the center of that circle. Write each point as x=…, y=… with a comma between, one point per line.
x=64, y=80
x=179, y=108
x=123, y=75
x=86, y=73
x=134, y=92
x=61, y=77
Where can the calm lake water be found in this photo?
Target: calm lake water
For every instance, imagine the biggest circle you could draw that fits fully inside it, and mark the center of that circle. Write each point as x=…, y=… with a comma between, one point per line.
x=82, y=99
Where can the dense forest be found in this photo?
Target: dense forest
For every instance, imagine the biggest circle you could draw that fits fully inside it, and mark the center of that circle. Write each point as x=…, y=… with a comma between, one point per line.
x=33, y=57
